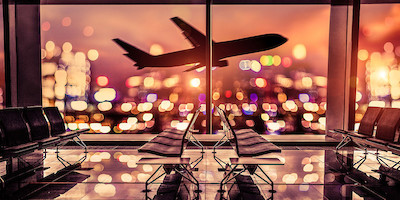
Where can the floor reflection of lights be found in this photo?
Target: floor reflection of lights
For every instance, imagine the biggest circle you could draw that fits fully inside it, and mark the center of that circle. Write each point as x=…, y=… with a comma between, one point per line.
x=116, y=175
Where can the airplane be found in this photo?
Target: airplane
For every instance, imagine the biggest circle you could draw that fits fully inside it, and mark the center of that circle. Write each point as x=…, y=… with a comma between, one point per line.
x=196, y=55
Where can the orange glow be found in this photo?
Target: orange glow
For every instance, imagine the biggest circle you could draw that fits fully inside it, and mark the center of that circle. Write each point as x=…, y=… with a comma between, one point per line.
x=133, y=81
x=299, y=51
x=156, y=50
x=195, y=82
x=239, y=96
x=261, y=83
x=102, y=81
x=93, y=54
x=363, y=54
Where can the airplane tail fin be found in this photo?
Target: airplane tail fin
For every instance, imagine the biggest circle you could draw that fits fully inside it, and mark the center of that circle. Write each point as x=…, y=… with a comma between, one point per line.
x=133, y=53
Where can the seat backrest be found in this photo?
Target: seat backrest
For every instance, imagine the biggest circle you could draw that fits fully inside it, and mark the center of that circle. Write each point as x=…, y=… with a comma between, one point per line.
x=188, y=131
x=16, y=131
x=56, y=121
x=37, y=122
x=229, y=132
x=388, y=125
x=368, y=122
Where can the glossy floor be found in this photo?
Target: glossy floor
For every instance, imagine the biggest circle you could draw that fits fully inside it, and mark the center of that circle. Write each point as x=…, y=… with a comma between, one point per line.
x=307, y=173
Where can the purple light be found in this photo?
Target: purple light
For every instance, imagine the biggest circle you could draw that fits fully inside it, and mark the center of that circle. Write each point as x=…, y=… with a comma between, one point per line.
x=202, y=97
x=253, y=97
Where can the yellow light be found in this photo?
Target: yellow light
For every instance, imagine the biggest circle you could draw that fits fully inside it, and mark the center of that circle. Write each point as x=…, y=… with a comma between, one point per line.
x=363, y=54
x=124, y=126
x=105, y=129
x=299, y=51
x=93, y=54
x=358, y=96
x=216, y=96
x=133, y=81
x=173, y=97
x=95, y=126
x=147, y=117
x=282, y=97
x=308, y=117
x=79, y=105
x=67, y=47
x=148, y=82
x=165, y=104
x=125, y=177
x=73, y=126
x=290, y=104
x=307, y=82
x=308, y=167
x=239, y=96
x=255, y=66
x=264, y=60
x=147, y=168
x=105, y=190
x=104, y=178
x=265, y=116
x=50, y=46
x=105, y=94
x=132, y=120
x=377, y=104
x=195, y=82
x=126, y=107
x=277, y=60
x=104, y=106
x=156, y=50
x=261, y=83
x=189, y=106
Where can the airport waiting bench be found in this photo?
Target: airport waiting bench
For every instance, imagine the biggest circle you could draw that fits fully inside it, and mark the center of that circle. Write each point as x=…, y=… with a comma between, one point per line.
x=383, y=137
x=248, y=145
x=25, y=130
x=170, y=145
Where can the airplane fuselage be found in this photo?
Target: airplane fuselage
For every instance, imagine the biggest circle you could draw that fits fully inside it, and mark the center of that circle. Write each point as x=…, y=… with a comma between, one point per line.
x=221, y=50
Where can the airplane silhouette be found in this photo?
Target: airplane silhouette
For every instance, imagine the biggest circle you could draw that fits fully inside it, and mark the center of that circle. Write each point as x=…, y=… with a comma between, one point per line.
x=196, y=55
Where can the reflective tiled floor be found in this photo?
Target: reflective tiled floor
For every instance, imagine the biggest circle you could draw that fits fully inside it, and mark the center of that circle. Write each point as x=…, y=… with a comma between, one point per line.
x=307, y=173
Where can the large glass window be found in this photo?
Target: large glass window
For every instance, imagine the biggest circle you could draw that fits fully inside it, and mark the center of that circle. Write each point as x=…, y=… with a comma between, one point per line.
x=87, y=76
x=379, y=50
x=282, y=90
x=278, y=91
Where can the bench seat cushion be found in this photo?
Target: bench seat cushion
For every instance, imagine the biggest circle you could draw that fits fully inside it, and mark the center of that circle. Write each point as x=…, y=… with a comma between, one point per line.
x=68, y=135
x=247, y=135
x=394, y=145
x=51, y=141
x=173, y=130
x=258, y=149
x=20, y=149
x=166, y=141
x=252, y=141
x=242, y=131
x=161, y=149
x=378, y=141
x=358, y=135
x=170, y=135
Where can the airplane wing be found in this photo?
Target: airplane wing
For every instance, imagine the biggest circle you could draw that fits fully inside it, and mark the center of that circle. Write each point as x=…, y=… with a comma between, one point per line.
x=193, y=35
x=194, y=67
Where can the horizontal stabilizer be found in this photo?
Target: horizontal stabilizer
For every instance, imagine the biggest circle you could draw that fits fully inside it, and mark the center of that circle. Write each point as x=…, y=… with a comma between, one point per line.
x=133, y=53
